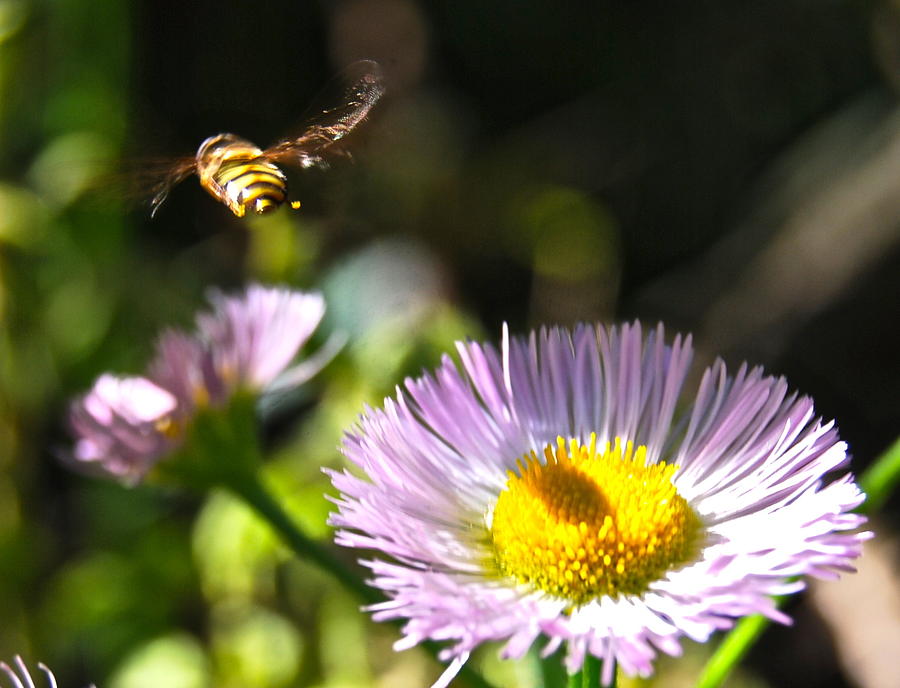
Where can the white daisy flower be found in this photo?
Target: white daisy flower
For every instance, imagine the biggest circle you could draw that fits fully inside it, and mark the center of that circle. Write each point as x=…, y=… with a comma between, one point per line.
x=565, y=486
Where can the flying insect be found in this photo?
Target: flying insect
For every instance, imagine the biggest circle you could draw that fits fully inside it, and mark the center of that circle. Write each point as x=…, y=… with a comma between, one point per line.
x=246, y=178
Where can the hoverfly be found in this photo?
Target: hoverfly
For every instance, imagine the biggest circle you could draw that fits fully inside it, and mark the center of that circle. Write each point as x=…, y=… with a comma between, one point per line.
x=244, y=177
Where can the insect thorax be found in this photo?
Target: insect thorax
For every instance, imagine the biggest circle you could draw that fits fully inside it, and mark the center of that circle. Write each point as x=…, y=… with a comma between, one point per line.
x=236, y=172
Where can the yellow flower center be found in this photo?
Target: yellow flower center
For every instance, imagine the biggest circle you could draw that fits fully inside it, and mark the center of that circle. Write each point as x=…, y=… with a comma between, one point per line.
x=585, y=523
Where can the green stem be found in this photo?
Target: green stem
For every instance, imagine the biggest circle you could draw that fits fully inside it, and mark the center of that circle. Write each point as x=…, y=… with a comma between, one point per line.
x=880, y=480
x=251, y=490
x=877, y=482
x=552, y=672
x=731, y=650
x=589, y=676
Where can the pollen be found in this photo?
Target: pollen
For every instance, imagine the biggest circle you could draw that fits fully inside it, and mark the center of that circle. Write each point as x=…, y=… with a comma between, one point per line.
x=585, y=523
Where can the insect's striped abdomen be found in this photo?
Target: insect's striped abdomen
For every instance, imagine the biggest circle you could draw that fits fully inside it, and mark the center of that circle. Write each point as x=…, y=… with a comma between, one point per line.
x=257, y=186
x=233, y=170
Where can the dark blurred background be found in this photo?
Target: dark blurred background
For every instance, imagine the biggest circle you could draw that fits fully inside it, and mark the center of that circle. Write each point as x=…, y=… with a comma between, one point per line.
x=730, y=168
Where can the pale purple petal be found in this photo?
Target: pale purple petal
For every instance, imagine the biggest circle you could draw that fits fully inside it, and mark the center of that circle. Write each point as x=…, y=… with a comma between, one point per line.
x=184, y=365
x=21, y=677
x=118, y=426
x=247, y=342
x=751, y=460
x=253, y=338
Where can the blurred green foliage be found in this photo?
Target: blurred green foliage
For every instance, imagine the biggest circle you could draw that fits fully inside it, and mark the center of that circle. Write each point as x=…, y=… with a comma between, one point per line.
x=532, y=163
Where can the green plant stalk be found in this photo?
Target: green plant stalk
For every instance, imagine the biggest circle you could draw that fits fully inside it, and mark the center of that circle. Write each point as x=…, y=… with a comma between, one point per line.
x=731, y=650
x=552, y=672
x=877, y=482
x=589, y=676
x=269, y=509
x=880, y=480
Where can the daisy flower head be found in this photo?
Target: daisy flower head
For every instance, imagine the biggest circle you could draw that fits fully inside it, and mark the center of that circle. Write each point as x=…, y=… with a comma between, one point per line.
x=247, y=341
x=567, y=487
x=124, y=425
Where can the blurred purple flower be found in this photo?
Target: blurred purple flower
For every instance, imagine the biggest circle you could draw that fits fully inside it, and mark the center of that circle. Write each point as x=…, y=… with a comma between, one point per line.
x=246, y=342
x=565, y=487
x=123, y=426
x=120, y=426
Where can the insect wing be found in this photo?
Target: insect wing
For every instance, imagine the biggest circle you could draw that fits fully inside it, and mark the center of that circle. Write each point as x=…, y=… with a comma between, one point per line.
x=141, y=181
x=365, y=88
x=166, y=179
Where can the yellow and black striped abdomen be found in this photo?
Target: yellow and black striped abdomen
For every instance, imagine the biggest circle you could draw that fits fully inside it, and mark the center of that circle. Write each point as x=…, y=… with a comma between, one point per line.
x=257, y=186
x=233, y=170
